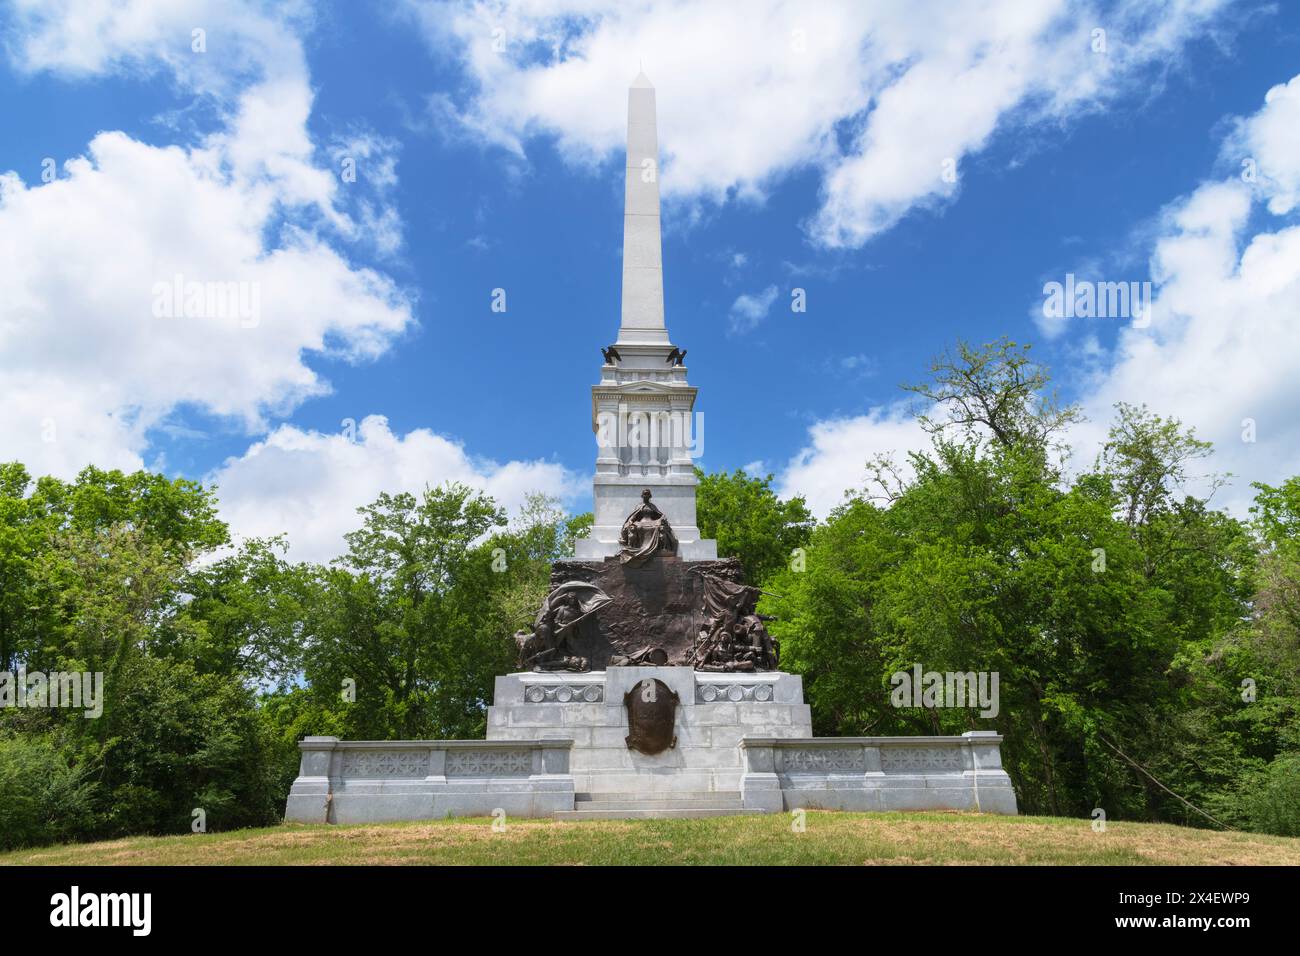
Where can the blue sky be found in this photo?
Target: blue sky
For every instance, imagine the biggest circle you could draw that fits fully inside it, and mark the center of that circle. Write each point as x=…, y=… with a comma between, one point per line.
x=800, y=151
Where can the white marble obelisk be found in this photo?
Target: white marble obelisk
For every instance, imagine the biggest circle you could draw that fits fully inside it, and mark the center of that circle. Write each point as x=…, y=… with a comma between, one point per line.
x=643, y=272
x=647, y=432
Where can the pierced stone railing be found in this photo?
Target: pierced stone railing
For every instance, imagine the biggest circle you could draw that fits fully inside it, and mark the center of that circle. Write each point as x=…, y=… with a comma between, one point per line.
x=362, y=781
x=877, y=773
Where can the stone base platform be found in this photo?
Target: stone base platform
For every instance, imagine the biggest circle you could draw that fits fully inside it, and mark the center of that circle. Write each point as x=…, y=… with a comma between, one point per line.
x=660, y=806
x=714, y=712
x=370, y=781
x=877, y=773
x=556, y=747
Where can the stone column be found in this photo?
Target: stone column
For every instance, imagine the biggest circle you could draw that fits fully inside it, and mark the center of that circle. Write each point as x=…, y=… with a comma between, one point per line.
x=310, y=795
x=760, y=787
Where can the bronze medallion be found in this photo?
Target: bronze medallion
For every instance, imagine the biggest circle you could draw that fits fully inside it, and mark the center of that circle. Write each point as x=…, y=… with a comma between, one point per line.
x=651, y=713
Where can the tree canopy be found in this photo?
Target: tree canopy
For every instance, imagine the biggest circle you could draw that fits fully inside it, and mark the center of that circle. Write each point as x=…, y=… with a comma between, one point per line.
x=750, y=522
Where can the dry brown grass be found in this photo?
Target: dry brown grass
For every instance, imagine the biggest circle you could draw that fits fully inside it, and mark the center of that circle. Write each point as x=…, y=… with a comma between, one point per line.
x=830, y=838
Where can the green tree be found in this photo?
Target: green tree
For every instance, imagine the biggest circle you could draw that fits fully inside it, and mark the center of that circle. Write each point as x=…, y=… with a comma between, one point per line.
x=402, y=617
x=995, y=391
x=750, y=522
x=176, y=741
x=245, y=613
x=45, y=797
x=174, y=519
x=989, y=559
x=181, y=514
x=106, y=592
x=26, y=527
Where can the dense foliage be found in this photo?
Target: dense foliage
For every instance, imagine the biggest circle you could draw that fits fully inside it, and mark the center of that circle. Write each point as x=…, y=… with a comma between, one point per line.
x=749, y=521
x=1147, y=645
x=217, y=660
x=1143, y=640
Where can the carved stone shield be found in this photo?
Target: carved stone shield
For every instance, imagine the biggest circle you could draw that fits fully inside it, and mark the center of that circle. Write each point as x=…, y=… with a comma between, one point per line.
x=651, y=713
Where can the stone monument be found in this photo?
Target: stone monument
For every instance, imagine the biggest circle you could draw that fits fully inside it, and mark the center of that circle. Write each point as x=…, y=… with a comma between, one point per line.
x=649, y=684
x=642, y=408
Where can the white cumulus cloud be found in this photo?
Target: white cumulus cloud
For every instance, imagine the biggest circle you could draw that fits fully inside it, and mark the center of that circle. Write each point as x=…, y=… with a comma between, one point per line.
x=835, y=459
x=1221, y=353
x=89, y=366
x=750, y=309
x=1223, y=350
x=309, y=484
x=94, y=350
x=885, y=99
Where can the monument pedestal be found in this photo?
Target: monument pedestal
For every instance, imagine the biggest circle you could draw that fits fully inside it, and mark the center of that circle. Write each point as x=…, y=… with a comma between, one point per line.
x=714, y=713
x=557, y=746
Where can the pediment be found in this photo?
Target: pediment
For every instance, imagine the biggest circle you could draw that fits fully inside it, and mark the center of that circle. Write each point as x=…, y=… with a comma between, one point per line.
x=643, y=388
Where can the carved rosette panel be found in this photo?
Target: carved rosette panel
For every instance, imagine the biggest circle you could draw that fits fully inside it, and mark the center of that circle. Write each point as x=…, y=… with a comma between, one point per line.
x=824, y=760
x=489, y=763
x=386, y=763
x=564, y=693
x=920, y=759
x=722, y=693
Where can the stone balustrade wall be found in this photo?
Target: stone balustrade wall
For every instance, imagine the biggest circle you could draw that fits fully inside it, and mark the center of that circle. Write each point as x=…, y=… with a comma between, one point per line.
x=877, y=773
x=364, y=781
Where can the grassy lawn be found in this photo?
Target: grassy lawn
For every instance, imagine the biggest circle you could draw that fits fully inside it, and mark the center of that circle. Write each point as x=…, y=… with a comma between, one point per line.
x=830, y=838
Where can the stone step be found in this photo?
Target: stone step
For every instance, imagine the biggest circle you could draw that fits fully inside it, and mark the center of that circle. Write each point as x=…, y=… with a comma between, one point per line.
x=666, y=804
x=709, y=804
x=678, y=796
x=651, y=814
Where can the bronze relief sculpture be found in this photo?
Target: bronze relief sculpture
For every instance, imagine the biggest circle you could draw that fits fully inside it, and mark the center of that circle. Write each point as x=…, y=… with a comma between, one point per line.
x=651, y=712
x=646, y=532
x=697, y=614
x=547, y=647
x=734, y=637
